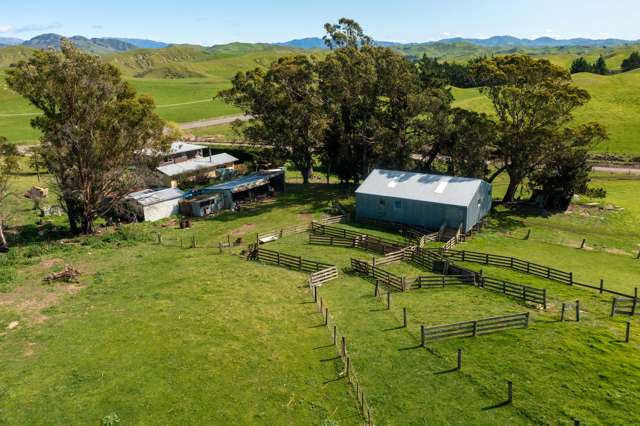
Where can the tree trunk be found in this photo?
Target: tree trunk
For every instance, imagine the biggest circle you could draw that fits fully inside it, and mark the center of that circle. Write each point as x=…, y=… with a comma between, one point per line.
x=511, y=190
x=307, y=172
x=4, y=247
x=87, y=225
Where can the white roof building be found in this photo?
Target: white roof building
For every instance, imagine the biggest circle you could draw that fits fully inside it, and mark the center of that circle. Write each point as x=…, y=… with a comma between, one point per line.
x=156, y=204
x=198, y=164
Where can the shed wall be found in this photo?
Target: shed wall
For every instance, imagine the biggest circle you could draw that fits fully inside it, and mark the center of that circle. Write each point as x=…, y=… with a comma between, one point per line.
x=161, y=210
x=412, y=212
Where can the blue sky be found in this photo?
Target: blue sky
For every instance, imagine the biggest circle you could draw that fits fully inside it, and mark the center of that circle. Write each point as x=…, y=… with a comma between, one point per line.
x=213, y=21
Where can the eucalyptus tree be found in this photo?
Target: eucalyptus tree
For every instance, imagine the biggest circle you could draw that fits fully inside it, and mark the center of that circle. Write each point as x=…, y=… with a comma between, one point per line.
x=534, y=102
x=93, y=126
x=286, y=109
x=8, y=167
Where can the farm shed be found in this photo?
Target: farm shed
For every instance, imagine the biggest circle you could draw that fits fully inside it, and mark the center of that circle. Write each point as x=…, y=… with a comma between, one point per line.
x=199, y=167
x=154, y=204
x=249, y=187
x=201, y=203
x=424, y=200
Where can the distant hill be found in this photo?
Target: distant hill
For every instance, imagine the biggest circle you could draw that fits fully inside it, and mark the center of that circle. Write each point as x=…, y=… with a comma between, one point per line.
x=491, y=42
x=98, y=45
x=10, y=41
x=504, y=41
x=144, y=43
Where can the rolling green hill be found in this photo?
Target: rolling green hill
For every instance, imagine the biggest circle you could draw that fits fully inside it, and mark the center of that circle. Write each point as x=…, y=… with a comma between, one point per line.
x=615, y=103
x=184, y=78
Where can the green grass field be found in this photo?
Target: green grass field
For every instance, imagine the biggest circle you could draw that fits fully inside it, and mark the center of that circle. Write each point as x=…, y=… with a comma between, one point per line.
x=163, y=334
x=615, y=104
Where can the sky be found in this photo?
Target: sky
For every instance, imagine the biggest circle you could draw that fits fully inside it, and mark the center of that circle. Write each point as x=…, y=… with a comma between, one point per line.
x=216, y=22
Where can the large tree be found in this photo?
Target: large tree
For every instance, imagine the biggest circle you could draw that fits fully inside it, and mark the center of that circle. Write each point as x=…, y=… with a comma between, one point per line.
x=93, y=125
x=534, y=102
x=286, y=109
x=349, y=86
x=631, y=63
x=8, y=167
x=566, y=172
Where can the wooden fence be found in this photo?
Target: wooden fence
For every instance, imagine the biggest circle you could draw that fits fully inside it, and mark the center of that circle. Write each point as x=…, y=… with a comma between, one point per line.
x=518, y=291
x=525, y=267
x=363, y=241
x=321, y=277
x=385, y=277
x=474, y=328
x=510, y=262
x=428, y=281
x=624, y=305
x=340, y=344
x=396, y=256
x=327, y=240
x=275, y=234
x=286, y=260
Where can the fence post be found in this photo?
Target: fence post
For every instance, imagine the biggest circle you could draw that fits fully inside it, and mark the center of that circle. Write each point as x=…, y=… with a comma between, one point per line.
x=404, y=317
x=459, y=360
x=635, y=301
x=584, y=241
x=220, y=247
x=601, y=285
x=159, y=238
x=193, y=241
x=510, y=392
x=526, y=321
x=321, y=305
x=475, y=328
x=348, y=370
x=570, y=278
x=315, y=294
x=627, y=334
x=577, y=310
x=613, y=306
x=344, y=346
x=376, y=292
x=388, y=299
x=335, y=335
x=562, y=312
x=326, y=316
x=544, y=298
x=422, y=336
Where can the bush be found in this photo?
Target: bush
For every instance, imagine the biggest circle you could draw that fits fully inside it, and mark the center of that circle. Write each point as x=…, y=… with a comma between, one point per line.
x=596, y=192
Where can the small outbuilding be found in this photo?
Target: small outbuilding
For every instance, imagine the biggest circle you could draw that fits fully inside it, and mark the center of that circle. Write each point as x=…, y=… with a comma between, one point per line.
x=423, y=200
x=155, y=204
x=198, y=168
x=230, y=194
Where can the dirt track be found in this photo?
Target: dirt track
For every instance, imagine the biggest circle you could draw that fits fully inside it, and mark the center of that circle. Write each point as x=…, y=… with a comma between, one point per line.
x=213, y=121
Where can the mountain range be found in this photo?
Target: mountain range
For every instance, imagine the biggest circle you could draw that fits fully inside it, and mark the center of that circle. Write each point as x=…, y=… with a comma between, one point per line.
x=104, y=45
x=100, y=45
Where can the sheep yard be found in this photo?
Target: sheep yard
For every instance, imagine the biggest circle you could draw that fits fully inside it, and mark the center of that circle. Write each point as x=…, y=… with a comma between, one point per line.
x=188, y=331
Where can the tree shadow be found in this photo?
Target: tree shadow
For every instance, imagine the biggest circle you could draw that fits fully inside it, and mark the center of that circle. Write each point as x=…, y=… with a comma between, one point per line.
x=410, y=348
x=394, y=328
x=335, y=358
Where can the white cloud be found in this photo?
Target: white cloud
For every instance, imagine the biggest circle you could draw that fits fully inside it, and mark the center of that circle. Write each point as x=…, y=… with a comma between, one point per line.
x=29, y=28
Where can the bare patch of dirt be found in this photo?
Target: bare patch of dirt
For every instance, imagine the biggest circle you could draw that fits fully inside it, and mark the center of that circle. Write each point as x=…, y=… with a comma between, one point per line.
x=30, y=300
x=29, y=351
x=48, y=263
x=244, y=229
x=616, y=251
x=306, y=217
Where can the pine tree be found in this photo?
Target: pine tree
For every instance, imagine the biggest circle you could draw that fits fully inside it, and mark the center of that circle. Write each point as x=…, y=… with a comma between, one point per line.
x=631, y=63
x=600, y=67
x=581, y=65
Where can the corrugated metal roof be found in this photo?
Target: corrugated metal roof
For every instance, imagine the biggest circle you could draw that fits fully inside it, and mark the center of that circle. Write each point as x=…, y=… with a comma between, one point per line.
x=244, y=182
x=149, y=197
x=450, y=190
x=178, y=147
x=196, y=164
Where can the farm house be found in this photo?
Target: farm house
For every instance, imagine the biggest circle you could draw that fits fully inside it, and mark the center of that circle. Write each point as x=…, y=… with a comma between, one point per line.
x=423, y=200
x=154, y=204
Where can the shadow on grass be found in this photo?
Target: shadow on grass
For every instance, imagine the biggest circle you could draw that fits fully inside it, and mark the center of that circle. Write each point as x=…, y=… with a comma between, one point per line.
x=499, y=405
x=410, y=348
x=451, y=370
x=394, y=328
x=335, y=358
x=323, y=347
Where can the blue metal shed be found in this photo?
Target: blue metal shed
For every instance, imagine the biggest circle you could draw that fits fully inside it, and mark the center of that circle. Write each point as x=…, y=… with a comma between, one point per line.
x=424, y=200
